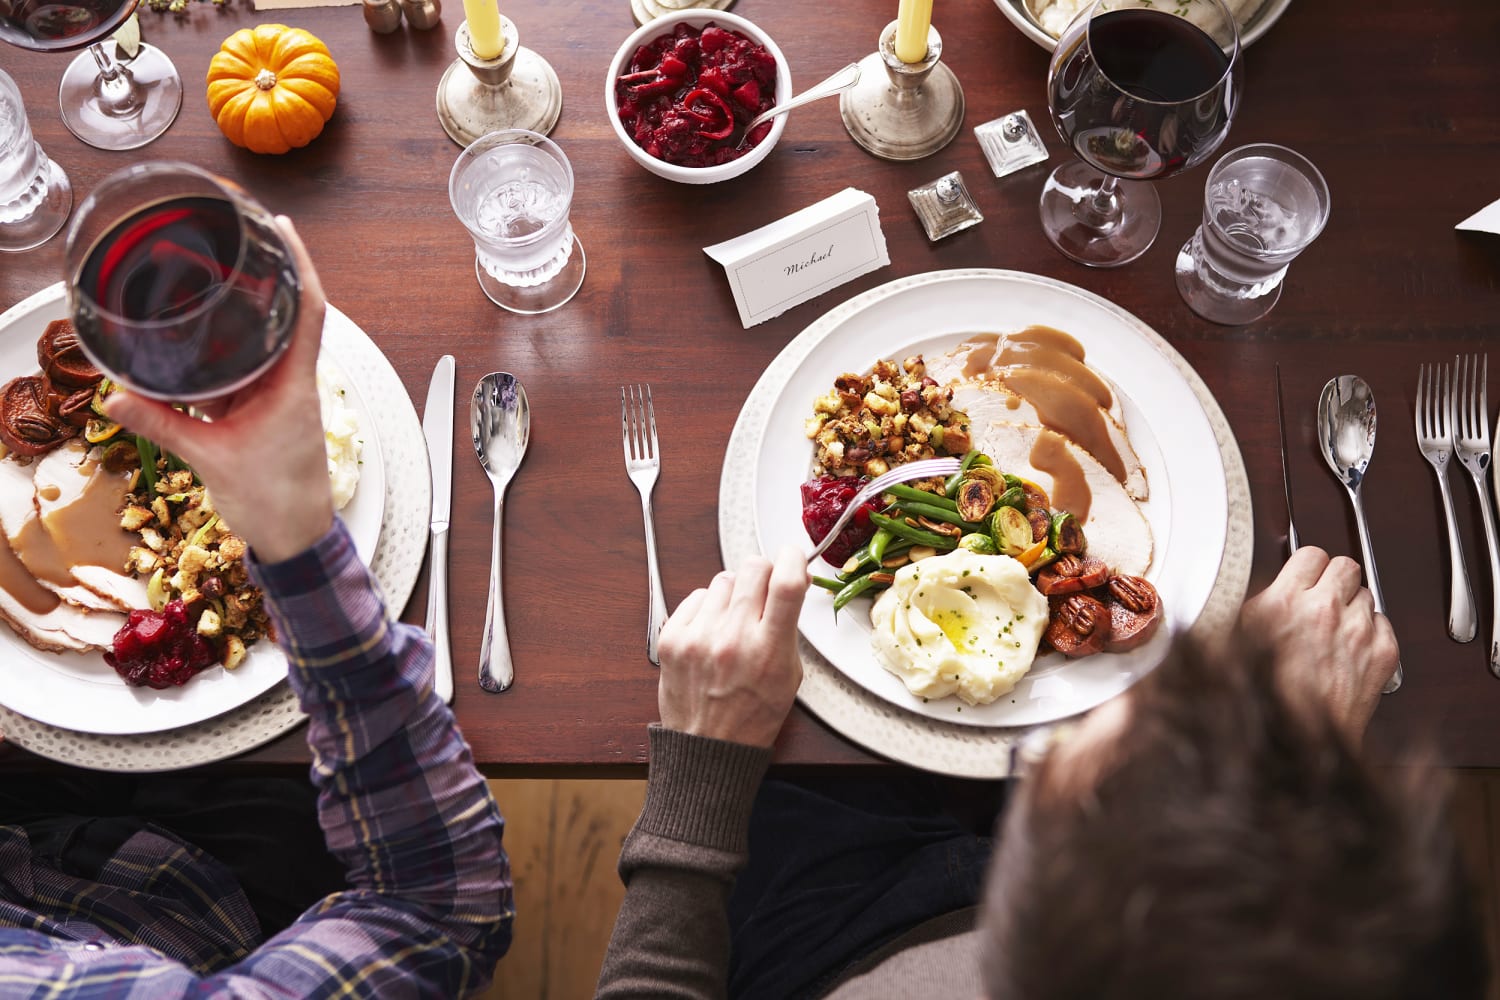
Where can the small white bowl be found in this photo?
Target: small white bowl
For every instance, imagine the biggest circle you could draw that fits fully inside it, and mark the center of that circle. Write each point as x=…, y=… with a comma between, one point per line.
x=1018, y=13
x=663, y=26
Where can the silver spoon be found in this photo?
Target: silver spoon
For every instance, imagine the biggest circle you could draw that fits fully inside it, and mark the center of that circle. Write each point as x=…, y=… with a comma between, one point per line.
x=500, y=420
x=835, y=84
x=1346, y=433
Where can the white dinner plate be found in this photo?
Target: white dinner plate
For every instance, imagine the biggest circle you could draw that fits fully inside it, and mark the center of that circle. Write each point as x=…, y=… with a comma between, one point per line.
x=1188, y=509
x=79, y=691
x=1018, y=14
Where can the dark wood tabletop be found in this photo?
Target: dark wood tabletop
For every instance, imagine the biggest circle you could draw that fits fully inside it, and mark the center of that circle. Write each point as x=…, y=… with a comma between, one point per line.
x=1393, y=102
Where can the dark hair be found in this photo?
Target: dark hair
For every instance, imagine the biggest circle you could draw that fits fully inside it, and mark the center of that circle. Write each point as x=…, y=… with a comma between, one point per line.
x=1231, y=848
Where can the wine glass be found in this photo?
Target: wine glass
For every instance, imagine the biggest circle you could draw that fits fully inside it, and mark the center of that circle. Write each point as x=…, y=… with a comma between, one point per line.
x=106, y=102
x=180, y=284
x=1140, y=90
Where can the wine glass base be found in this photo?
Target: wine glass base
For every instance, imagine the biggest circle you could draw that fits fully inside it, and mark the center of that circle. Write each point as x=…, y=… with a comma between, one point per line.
x=47, y=218
x=534, y=299
x=114, y=114
x=1076, y=225
x=1213, y=304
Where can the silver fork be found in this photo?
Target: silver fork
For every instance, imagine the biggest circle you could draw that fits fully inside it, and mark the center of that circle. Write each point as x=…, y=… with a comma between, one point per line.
x=642, y=464
x=1435, y=420
x=1471, y=443
x=924, y=469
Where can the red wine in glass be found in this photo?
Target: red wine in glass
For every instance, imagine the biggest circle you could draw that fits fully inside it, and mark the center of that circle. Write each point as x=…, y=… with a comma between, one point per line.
x=1139, y=91
x=185, y=297
x=48, y=26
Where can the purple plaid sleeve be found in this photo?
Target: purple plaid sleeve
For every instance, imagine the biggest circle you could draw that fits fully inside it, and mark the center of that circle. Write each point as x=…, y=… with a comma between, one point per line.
x=430, y=905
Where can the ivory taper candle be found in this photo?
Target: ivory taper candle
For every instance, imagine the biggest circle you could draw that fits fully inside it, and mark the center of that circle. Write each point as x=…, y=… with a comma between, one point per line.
x=484, y=27
x=912, y=20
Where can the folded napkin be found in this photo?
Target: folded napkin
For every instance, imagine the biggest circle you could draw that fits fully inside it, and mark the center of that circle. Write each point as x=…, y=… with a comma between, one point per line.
x=1486, y=220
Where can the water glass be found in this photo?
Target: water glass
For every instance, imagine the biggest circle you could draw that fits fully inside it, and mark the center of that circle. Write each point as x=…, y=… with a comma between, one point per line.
x=1263, y=205
x=512, y=189
x=35, y=195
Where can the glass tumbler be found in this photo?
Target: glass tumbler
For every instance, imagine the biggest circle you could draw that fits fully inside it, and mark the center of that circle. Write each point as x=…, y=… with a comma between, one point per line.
x=1263, y=205
x=35, y=195
x=512, y=189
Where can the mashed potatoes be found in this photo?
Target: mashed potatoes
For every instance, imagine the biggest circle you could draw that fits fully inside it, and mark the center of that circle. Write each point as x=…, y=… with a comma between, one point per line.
x=959, y=623
x=340, y=436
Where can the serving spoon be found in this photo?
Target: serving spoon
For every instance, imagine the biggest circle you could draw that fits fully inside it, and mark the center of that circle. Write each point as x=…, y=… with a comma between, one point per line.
x=500, y=420
x=1346, y=434
x=835, y=84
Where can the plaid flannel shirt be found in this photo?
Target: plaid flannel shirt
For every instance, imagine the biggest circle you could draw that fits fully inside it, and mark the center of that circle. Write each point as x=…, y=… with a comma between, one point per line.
x=401, y=804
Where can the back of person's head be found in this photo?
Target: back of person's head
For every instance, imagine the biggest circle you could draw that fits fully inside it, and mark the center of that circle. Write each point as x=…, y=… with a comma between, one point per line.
x=1230, y=848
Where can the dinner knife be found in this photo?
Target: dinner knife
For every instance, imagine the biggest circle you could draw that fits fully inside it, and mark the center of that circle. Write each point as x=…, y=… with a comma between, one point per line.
x=1286, y=474
x=437, y=428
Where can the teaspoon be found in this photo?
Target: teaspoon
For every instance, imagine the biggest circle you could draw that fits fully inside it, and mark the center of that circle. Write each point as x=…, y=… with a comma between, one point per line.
x=500, y=420
x=835, y=84
x=1346, y=434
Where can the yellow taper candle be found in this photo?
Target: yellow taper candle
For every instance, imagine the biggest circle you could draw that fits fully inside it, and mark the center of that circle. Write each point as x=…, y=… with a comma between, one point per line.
x=912, y=20
x=484, y=28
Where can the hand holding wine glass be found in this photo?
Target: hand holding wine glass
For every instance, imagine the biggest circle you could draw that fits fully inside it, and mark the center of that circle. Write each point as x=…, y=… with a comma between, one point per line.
x=1139, y=91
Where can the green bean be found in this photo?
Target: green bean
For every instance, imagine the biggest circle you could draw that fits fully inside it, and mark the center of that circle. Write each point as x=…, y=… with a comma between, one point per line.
x=901, y=491
x=903, y=530
x=878, y=543
x=855, y=587
x=935, y=513
x=827, y=584
x=951, y=486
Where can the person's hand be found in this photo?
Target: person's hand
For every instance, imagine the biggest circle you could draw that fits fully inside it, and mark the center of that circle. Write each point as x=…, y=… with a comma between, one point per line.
x=729, y=666
x=262, y=456
x=1329, y=645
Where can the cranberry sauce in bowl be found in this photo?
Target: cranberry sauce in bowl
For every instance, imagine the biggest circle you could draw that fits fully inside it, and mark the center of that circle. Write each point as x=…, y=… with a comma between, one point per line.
x=681, y=90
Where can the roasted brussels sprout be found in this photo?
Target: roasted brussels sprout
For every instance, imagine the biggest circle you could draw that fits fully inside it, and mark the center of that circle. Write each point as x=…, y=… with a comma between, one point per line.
x=1066, y=535
x=976, y=498
x=982, y=544
x=1010, y=530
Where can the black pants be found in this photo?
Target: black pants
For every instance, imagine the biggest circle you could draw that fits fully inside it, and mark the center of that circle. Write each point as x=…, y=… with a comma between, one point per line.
x=841, y=866
x=265, y=830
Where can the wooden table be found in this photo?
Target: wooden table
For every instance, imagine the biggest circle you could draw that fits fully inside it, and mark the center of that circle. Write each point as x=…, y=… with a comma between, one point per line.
x=1394, y=103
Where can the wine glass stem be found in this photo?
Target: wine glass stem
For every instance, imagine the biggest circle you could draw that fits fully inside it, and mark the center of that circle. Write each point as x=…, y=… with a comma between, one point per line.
x=1101, y=212
x=119, y=97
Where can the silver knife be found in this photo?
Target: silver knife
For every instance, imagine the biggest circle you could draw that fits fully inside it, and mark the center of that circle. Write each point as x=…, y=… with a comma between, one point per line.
x=1286, y=475
x=437, y=428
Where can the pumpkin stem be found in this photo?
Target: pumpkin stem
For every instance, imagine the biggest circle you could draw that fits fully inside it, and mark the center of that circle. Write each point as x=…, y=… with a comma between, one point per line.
x=265, y=79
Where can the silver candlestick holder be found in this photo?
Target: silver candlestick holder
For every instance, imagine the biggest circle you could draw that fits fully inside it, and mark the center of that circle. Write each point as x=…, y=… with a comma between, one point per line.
x=910, y=110
x=519, y=89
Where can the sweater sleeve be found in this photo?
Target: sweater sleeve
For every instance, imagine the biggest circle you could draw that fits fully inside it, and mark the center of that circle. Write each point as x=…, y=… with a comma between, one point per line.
x=671, y=939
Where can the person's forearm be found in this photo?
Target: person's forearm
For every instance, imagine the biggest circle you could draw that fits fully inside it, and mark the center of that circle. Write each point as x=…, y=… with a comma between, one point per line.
x=671, y=939
x=401, y=802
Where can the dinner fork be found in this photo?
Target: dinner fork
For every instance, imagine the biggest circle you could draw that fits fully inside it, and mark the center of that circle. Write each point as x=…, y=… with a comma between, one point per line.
x=643, y=464
x=1434, y=421
x=1471, y=443
x=924, y=469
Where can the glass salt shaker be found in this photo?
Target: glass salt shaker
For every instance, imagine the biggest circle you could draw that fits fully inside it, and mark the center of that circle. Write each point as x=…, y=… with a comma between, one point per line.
x=422, y=14
x=383, y=16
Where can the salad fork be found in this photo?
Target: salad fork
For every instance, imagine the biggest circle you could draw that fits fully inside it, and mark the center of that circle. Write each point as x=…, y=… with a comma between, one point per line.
x=1471, y=442
x=643, y=464
x=924, y=469
x=1435, y=420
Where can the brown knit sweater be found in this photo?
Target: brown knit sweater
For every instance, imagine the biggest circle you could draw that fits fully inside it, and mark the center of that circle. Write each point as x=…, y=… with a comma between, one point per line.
x=671, y=939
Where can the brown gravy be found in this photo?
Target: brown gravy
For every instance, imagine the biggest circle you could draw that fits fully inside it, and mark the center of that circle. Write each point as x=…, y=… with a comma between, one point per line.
x=83, y=532
x=1046, y=368
x=18, y=582
x=1070, y=488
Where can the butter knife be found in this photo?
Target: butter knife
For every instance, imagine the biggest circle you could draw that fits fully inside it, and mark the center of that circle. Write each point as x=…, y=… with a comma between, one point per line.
x=1286, y=474
x=437, y=428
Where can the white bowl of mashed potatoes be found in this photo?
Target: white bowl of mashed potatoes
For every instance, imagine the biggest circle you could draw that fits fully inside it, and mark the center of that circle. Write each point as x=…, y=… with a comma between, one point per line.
x=1043, y=21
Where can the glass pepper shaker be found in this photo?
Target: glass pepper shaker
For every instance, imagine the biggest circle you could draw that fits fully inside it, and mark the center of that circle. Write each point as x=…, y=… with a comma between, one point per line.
x=422, y=14
x=383, y=16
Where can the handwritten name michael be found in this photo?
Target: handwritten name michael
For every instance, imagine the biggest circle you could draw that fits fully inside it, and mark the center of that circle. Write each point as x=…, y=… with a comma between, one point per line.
x=803, y=265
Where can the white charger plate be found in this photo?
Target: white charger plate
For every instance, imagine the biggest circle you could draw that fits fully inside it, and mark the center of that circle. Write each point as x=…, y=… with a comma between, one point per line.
x=768, y=455
x=82, y=693
x=1018, y=14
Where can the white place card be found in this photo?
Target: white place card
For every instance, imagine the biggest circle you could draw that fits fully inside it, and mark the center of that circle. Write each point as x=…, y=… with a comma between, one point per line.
x=802, y=255
x=1486, y=220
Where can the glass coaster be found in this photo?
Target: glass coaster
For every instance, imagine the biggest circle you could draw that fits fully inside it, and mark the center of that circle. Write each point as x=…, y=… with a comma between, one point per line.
x=1010, y=143
x=944, y=206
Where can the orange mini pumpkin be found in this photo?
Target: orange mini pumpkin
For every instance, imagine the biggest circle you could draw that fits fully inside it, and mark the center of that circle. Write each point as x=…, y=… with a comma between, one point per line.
x=272, y=88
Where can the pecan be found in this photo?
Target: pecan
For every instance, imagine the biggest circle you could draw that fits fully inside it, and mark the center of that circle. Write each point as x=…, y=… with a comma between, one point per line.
x=1134, y=593
x=1068, y=565
x=883, y=577
x=1080, y=613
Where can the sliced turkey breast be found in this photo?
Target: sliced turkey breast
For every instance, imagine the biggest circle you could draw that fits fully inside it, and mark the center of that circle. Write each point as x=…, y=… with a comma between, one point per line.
x=79, y=503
